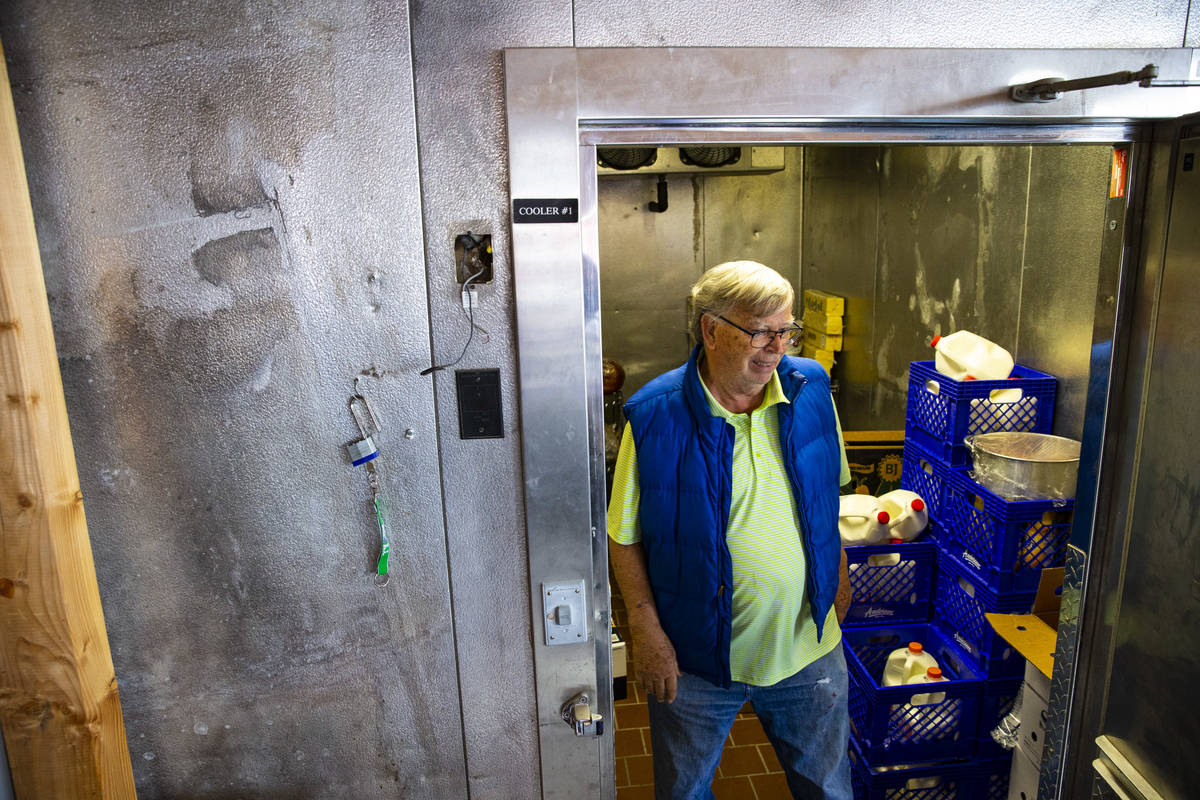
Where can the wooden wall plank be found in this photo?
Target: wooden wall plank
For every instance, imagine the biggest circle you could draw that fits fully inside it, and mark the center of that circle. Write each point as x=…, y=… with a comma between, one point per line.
x=59, y=707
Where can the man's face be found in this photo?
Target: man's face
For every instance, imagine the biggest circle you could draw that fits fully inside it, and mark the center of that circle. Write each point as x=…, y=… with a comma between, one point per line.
x=732, y=362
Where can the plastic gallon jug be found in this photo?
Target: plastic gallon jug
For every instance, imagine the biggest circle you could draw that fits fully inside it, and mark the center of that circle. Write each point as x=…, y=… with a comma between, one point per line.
x=923, y=718
x=932, y=675
x=885, y=559
x=905, y=663
x=963, y=355
x=862, y=520
x=907, y=514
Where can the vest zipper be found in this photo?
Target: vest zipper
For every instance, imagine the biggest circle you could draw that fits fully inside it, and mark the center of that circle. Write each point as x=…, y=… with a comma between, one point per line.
x=811, y=587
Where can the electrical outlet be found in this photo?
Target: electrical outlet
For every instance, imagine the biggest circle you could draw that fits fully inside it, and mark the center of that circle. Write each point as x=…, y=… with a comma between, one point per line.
x=473, y=258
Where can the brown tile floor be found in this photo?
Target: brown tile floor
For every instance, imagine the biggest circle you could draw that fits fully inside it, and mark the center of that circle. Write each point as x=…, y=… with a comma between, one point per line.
x=749, y=769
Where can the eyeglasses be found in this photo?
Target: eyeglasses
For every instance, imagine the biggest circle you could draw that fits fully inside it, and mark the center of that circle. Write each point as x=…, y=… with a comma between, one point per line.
x=760, y=339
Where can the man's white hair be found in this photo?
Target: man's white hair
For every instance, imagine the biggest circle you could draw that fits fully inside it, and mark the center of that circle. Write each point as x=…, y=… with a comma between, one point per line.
x=747, y=285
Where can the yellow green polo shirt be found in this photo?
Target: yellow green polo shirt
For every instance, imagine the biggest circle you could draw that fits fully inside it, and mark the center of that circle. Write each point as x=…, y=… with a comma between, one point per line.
x=774, y=635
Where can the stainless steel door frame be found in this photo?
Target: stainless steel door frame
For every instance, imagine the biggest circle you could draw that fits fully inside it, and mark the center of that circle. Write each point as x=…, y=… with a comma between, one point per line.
x=561, y=102
x=1151, y=537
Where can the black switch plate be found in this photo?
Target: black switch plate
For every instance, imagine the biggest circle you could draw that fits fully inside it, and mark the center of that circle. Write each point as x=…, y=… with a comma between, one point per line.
x=479, y=413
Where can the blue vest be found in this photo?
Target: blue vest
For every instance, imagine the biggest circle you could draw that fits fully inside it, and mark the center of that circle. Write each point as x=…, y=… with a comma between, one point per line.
x=685, y=468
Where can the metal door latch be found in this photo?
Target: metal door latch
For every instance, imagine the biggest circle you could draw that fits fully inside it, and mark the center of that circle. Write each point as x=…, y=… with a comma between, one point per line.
x=577, y=712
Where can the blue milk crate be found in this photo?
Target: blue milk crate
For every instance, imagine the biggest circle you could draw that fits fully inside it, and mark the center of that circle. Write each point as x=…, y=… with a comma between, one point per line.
x=962, y=780
x=1004, y=542
x=961, y=599
x=925, y=473
x=890, y=728
x=950, y=410
x=998, y=698
x=885, y=593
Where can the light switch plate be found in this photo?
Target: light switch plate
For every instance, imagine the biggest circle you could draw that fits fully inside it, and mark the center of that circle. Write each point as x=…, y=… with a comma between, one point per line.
x=570, y=594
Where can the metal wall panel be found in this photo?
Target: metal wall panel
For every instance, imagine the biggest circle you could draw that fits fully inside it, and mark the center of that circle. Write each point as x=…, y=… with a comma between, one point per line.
x=464, y=186
x=879, y=23
x=951, y=226
x=1068, y=192
x=840, y=246
x=227, y=208
x=756, y=217
x=648, y=262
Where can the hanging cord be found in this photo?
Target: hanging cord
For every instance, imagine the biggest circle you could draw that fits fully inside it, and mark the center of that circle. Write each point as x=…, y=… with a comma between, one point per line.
x=466, y=289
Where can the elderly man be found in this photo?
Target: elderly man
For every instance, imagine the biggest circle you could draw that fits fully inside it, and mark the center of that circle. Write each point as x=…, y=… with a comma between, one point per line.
x=724, y=541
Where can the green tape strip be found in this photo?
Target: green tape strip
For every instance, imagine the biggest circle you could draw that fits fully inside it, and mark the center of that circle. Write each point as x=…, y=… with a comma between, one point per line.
x=386, y=546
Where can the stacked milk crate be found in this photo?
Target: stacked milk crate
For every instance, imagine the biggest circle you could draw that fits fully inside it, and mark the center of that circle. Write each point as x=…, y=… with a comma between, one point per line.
x=990, y=550
x=987, y=555
x=906, y=740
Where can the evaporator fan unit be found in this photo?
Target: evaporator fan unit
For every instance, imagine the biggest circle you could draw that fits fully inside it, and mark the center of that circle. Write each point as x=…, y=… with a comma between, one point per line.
x=710, y=156
x=626, y=157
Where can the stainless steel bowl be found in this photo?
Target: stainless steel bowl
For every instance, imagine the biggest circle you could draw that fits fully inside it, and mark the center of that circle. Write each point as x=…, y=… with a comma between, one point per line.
x=1025, y=466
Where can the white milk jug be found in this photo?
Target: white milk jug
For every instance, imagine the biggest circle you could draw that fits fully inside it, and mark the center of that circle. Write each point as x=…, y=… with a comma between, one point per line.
x=905, y=663
x=907, y=515
x=922, y=716
x=861, y=520
x=884, y=559
x=932, y=675
x=963, y=355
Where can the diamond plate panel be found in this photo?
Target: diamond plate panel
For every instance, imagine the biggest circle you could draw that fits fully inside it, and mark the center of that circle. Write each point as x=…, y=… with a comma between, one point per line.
x=1064, y=670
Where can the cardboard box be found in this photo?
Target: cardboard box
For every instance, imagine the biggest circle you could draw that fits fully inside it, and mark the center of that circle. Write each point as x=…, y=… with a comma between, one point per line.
x=876, y=460
x=619, y=668
x=1035, y=692
x=821, y=340
x=829, y=323
x=824, y=302
x=1023, y=777
x=1035, y=635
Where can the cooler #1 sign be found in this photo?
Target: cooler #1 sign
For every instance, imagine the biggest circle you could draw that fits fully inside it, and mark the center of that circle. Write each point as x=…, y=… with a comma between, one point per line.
x=545, y=210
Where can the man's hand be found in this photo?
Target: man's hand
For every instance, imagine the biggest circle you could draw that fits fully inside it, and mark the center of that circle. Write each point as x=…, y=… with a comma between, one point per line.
x=842, y=601
x=653, y=654
x=654, y=661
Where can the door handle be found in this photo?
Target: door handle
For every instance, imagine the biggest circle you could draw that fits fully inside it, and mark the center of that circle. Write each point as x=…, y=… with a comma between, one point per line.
x=577, y=712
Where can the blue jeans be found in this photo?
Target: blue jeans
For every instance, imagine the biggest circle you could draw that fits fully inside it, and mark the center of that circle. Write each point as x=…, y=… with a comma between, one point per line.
x=805, y=718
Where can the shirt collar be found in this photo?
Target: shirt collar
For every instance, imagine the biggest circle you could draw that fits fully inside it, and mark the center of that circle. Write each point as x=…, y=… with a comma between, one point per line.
x=773, y=395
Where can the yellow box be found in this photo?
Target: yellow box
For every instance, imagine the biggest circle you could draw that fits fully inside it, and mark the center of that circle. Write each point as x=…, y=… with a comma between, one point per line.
x=823, y=302
x=820, y=340
x=826, y=323
x=822, y=357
